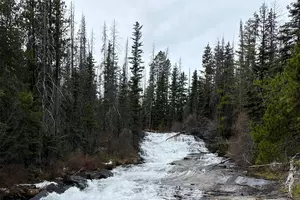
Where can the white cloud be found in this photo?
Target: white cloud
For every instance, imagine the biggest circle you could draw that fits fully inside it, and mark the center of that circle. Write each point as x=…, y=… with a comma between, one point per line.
x=185, y=26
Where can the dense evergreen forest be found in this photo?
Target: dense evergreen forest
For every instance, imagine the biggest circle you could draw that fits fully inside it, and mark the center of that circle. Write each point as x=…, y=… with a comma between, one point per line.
x=53, y=104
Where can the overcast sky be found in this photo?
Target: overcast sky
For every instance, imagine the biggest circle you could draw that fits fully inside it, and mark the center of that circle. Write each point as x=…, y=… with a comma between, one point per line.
x=184, y=26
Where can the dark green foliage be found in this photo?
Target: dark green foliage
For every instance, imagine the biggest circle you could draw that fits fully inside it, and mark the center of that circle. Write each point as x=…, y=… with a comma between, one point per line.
x=209, y=72
x=53, y=103
x=226, y=93
x=174, y=95
x=182, y=95
x=160, y=112
x=135, y=90
x=278, y=135
x=193, y=98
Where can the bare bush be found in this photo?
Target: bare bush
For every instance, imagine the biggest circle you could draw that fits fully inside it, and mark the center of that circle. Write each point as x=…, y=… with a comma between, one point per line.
x=13, y=174
x=123, y=144
x=78, y=160
x=190, y=124
x=177, y=127
x=241, y=145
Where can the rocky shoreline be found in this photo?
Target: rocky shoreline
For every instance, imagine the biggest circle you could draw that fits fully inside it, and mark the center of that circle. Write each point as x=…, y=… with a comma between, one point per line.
x=66, y=180
x=60, y=185
x=224, y=181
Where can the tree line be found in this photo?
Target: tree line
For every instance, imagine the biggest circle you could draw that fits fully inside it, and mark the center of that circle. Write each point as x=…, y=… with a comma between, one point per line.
x=52, y=101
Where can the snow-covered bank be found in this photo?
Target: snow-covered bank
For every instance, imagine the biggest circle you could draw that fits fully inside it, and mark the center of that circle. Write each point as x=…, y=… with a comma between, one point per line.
x=143, y=182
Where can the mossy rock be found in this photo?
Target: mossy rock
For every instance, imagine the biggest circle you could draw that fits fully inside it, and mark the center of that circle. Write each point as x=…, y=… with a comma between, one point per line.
x=296, y=191
x=268, y=174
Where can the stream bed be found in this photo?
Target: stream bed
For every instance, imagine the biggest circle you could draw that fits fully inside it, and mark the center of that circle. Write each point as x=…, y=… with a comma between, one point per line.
x=176, y=168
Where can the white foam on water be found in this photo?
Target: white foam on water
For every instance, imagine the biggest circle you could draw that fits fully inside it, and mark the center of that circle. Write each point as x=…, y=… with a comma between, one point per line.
x=140, y=182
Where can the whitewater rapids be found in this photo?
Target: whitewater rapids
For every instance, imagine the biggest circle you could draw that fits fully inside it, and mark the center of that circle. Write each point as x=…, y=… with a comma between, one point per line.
x=146, y=181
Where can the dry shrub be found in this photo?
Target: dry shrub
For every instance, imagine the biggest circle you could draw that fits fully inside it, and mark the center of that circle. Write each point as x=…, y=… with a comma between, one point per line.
x=122, y=145
x=241, y=145
x=13, y=174
x=78, y=160
x=190, y=123
x=125, y=141
x=177, y=127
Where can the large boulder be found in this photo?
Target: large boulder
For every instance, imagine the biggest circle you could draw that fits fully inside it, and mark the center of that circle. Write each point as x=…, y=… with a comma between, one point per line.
x=57, y=188
x=77, y=181
x=100, y=174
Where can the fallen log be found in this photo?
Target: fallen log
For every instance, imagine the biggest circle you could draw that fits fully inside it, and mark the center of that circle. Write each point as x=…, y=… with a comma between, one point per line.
x=175, y=135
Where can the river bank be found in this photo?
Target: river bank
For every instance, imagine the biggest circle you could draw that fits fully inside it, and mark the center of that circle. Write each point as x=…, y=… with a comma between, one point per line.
x=17, y=184
x=221, y=181
x=174, y=168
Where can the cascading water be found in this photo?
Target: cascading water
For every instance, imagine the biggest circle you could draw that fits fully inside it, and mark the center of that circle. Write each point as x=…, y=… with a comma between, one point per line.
x=145, y=181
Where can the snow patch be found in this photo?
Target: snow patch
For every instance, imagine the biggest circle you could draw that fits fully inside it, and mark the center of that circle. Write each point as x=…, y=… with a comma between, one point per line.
x=108, y=163
x=44, y=184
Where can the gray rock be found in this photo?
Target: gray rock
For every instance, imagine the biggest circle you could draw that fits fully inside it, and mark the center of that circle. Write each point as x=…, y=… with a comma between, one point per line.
x=100, y=174
x=40, y=195
x=59, y=189
x=77, y=181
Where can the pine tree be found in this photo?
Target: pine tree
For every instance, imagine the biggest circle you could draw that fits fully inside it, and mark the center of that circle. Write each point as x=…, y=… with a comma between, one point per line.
x=242, y=71
x=285, y=45
x=226, y=92
x=201, y=97
x=136, y=70
x=193, y=98
x=110, y=92
x=261, y=68
x=272, y=43
x=16, y=103
x=218, y=82
x=278, y=135
x=89, y=118
x=294, y=10
x=182, y=96
x=150, y=92
x=253, y=103
x=160, y=114
x=124, y=92
x=289, y=34
x=82, y=44
x=174, y=95
x=209, y=71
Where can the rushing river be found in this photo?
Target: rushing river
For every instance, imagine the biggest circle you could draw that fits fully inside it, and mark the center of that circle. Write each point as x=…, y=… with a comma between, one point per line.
x=145, y=181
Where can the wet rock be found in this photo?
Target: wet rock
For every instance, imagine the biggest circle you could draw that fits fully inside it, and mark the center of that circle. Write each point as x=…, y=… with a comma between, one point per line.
x=178, y=197
x=100, y=174
x=40, y=195
x=252, y=182
x=59, y=189
x=109, y=166
x=77, y=181
x=19, y=192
